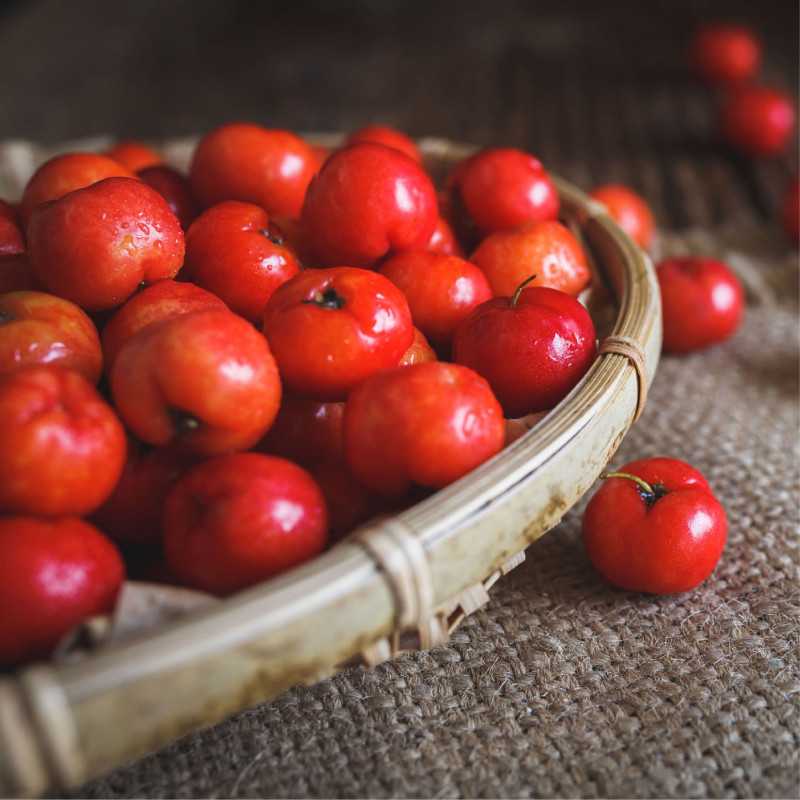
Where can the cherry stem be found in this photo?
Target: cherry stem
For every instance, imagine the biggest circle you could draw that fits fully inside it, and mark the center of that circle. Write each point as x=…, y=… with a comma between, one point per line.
x=518, y=290
x=329, y=298
x=649, y=492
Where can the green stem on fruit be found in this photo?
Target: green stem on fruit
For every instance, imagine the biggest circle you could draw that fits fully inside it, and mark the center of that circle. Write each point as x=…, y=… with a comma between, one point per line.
x=518, y=290
x=649, y=493
x=328, y=298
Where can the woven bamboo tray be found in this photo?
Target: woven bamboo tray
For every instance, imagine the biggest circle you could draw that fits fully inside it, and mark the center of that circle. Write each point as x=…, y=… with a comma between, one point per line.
x=398, y=582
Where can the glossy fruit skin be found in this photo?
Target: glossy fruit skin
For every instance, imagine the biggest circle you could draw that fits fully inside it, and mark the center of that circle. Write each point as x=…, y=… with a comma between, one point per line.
x=64, y=174
x=205, y=381
x=175, y=189
x=330, y=329
x=443, y=240
x=441, y=290
x=134, y=155
x=161, y=300
x=62, y=447
x=385, y=135
x=702, y=303
x=39, y=328
x=366, y=201
x=232, y=251
x=96, y=246
x=721, y=53
x=240, y=161
x=237, y=520
x=15, y=274
x=132, y=513
x=426, y=424
x=502, y=188
x=629, y=211
x=670, y=545
x=757, y=120
x=547, y=250
x=532, y=353
x=12, y=242
x=420, y=351
x=53, y=574
x=791, y=211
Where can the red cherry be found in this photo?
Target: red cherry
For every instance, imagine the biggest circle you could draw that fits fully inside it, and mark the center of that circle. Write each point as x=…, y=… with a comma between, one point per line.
x=175, y=189
x=134, y=155
x=443, y=240
x=12, y=242
x=390, y=137
x=236, y=520
x=420, y=351
x=629, y=211
x=502, y=188
x=702, y=303
x=532, y=348
x=654, y=526
x=757, y=120
x=53, y=575
x=366, y=200
x=723, y=53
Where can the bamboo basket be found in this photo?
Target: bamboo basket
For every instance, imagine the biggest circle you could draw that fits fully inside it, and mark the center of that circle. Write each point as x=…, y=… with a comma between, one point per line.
x=398, y=582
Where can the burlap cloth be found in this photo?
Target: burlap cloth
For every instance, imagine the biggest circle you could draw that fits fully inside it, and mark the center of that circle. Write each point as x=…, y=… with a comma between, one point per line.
x=563, y=686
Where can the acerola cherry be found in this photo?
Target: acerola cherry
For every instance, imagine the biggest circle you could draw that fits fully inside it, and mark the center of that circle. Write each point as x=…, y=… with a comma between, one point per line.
x=366, y=200
x=53, y=575
x=757, y=120
x=64, y=174
x=502, y=188
x=175, y=189
x=722, y=53
x=546, y=250
x=629, y=211
x=234, y=521
x=232, y=251
x=38, y=328
x=62, y=448
x=240, y=161
x=95, y=246
x=655, y=526
x=390, y=137
x=441, y=290
x=426, y=424
x=420, y=351
x=12, y=242
x=134, y=155
x=532, y=348
x=702, y=303
x=205, y=381
x=331, y=328
x=443, y=240
x=159, y=301
x=791, y=211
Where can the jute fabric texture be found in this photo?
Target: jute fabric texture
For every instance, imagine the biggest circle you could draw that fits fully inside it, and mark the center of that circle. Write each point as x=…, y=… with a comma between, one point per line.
x=562, y=686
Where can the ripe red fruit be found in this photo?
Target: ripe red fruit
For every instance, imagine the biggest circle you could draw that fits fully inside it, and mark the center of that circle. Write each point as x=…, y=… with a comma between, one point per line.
x=721, y=53
x=426, y=424
x=232, y=251
x=757, y=120
x=62, y=448
x=236, y=520
x=532, y=348
x=366, y=200
x=629, y=211
x=12, y=242
x=53, y=575
x=15, y=274
x=502, y=188
x=546, y=250
x=95, y=246
x=791, y=211
x=441, y=290
x=240, y=161
x=390, y=137
x=132, y=513
x=206, y=381
x=349, y=502
x=175, y=189
x=331, y=328
x=134, y=155
x=38, y=328
x=159, y=301
x=420, y=351
x=654, y=526
x=702, y=303
x=64, y=174
x=443, y=240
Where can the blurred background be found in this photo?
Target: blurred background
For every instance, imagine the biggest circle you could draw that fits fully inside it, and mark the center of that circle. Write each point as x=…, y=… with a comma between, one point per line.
x=598, y=91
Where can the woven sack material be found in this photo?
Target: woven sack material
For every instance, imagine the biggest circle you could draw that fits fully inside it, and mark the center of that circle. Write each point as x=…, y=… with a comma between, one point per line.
x=562, y=686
